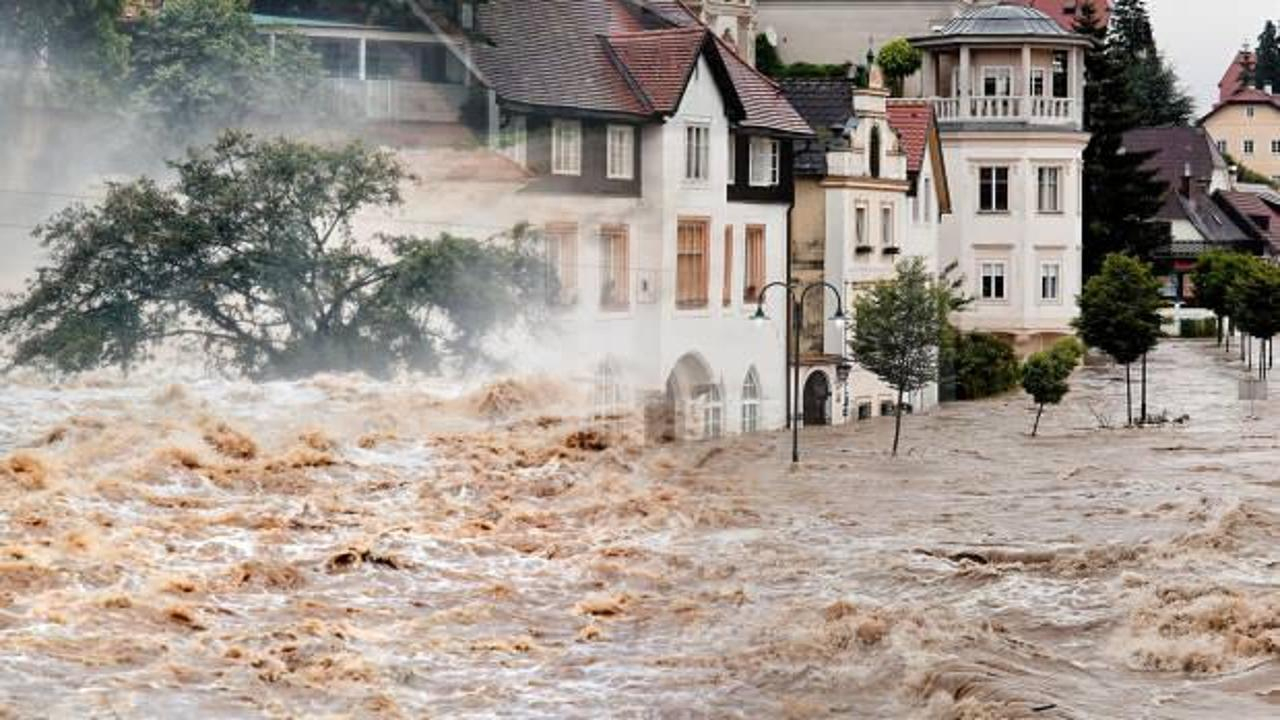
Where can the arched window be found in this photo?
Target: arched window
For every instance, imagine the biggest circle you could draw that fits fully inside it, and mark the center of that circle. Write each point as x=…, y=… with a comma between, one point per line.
x=873, y=152
x=751, y=402
x=707, y=402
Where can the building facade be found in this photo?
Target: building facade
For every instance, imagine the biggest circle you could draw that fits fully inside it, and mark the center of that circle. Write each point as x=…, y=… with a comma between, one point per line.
x=1246, y=126
x=870, y=194
x=1007, y=85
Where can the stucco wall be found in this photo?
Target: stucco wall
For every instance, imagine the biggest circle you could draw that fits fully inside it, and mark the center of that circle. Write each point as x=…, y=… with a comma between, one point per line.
x=1233, y=124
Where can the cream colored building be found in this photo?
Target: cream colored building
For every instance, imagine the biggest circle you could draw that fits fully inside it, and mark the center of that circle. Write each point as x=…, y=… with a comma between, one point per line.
x=1246, y=126
x=1007, y=84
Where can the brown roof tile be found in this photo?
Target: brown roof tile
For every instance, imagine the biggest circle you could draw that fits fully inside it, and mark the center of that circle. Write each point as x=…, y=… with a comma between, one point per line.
x=911, y=120
x=660, y=61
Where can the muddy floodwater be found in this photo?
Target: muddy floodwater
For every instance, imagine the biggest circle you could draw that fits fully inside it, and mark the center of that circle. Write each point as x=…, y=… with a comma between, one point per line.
x=339, y=547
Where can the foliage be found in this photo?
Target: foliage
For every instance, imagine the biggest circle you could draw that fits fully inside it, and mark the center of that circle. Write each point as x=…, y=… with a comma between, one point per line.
x=1267, y=71
x=1156, y=94
x=1120, y=311
x=985, y=366
x=1045, y=374
x=1213, y=276
x=79, y=40
x=1254, y=297
x=379, y=13
x=769, y=62
x=1131, y=25
x=251, y=254
x=200, y=65
x=1199, y=328
x=896, y=328
x=1247, y=174
x=1121, y=195
x=899, y=59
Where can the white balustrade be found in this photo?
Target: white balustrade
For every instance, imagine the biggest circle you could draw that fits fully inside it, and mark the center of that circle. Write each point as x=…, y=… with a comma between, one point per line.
x=1007, y=108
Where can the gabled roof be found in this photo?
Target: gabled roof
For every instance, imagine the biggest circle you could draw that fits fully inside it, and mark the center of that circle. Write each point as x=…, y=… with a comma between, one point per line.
x=618, y=57
x=1232, y=79
x=912, y=119
x=1174, y=151
x=1260, y=214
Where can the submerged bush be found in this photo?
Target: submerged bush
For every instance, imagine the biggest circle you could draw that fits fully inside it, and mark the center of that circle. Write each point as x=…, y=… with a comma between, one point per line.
x=985, y=365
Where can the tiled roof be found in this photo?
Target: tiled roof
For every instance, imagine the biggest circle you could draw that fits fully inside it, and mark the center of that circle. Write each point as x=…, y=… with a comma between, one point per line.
x=1065, y=11
x=1260, y=215
x=1175, y=149
x=628, y=57
x=911, y=119
x=1231, y=81
x=824, y=102
x=1003, y=20
x=660, y=62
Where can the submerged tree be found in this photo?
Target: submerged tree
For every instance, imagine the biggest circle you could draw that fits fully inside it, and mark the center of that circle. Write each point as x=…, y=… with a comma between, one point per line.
x=1120, y=314
x=1254, y=294
x=1045, y=375
x=251, y=254
x=897, y=325
x=79, y=41
x=1214, y=273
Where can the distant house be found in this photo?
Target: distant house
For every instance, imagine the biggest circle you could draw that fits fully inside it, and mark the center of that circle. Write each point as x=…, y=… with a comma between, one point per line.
x=871, y=190
x=1200, y=206
x=1245, y=123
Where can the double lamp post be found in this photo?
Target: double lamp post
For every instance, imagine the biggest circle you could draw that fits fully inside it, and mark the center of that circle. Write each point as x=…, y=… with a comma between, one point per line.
x=797, y=293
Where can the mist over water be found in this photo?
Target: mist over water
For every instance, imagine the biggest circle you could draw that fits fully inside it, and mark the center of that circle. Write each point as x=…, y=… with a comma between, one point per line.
x=343, y=546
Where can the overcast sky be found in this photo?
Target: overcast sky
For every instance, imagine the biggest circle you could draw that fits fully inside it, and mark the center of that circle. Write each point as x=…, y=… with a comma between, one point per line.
x=1202, y=37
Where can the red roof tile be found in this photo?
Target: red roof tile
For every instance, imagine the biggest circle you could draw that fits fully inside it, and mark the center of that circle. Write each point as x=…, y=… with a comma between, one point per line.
x=1232, y=79
x=660, y=61
x=911, y=120
x=1263, y=216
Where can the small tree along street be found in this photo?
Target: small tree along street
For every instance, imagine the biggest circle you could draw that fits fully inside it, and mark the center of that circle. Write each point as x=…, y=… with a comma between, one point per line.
x=1045, y=375
x=251, y=254
x=1254, y=295
x=1120, y=314
x=897, y=325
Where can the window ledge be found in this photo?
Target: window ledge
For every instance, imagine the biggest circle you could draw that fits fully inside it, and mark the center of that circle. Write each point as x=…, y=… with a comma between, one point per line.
x=995, y=213
x=1051, y=212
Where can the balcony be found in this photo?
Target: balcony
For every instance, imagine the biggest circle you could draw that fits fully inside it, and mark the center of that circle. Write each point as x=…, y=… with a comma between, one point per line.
x=1052, y=111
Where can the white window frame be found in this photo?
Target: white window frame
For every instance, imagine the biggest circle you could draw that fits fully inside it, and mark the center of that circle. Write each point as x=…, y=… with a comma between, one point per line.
x=697, y=152
x=766, y=162
x=998, y=268
x=1248, y=111
x=566, y=147
x=1247, y=146
x=860, y=213
x=1056, y=172
x=1042, y=76
x=1222, y=146
x=1056, y=277
x=1275, y=147
x=620, y=152
x=751, y=403
x=733, y=160
x=927, y=184
x=982, y=190
x=998, y=73
x=887, y=221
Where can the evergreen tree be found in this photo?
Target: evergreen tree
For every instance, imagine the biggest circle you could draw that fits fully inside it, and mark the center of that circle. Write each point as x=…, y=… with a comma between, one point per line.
x=1121, y=197
x=1131, y=25
x=1155, y=93
x=1267, y=71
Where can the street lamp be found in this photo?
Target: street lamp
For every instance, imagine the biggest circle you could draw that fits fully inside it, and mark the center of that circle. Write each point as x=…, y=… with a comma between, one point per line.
x=797, y=293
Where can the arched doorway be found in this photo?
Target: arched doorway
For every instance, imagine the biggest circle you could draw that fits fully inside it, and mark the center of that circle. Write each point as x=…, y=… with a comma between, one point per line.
x=817, y=399
x=693, y=406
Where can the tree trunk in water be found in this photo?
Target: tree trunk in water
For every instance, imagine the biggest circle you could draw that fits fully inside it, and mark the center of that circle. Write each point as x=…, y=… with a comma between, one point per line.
x=1036, y=428
x=1217, y=326
x=1142, y=418
x=897, y=424
x=1128, y=393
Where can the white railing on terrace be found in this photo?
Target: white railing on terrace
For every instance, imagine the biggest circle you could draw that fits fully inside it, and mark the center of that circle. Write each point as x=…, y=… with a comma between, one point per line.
x=396, y=100
x=1007, y=108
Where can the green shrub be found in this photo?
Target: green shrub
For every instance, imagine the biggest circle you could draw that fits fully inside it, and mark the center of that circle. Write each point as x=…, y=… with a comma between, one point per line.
x=984, y=365
x=1198, y=328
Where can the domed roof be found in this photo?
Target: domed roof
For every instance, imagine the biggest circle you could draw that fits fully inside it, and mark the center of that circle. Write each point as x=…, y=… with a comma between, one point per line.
x=1004, y=20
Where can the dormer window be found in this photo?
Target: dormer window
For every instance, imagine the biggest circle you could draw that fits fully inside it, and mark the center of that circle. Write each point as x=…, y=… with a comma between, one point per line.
x=765, y=162
x=566, y=147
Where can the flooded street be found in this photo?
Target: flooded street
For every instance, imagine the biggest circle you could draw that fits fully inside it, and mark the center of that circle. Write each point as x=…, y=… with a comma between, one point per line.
x=345, y=548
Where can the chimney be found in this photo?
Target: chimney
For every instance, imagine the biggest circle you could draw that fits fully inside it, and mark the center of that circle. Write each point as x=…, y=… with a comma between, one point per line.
x=1186, y=181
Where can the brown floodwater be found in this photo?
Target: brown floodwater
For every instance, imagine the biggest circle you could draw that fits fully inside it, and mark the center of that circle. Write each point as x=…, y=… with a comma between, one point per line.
x=340, y=547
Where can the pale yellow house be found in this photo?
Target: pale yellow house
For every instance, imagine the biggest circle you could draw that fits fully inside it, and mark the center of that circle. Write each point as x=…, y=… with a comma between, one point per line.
x=1246, y=126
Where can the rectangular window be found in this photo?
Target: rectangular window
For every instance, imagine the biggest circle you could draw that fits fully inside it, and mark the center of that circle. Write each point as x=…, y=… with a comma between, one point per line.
x=928, y=200
x=1222, y=146
x=615, y=270
x=754, y=264
x=764, y=162
x=621, y=152
x=562, y=259
x=1249, y=111
x=566, y=147
x=1037, y=82
x=886, y=226
x=1248, y=147
x=1050, y=273
x=691, y=263
x=997, y=81
x=733, y=159
x=697, y=153
x=726, y=296
x=860, y=226
x=993, y=281
x=1275, y=147
x=1049, y=185
x=993, y=188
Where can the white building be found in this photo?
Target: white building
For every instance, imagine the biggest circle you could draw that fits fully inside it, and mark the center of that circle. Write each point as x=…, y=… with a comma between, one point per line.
x=655, y=161
x=870, y=194
x=1007, y=84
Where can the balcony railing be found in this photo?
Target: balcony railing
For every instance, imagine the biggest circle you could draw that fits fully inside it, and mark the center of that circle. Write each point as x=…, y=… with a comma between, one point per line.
x=1007, y=108
x=396, y=100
